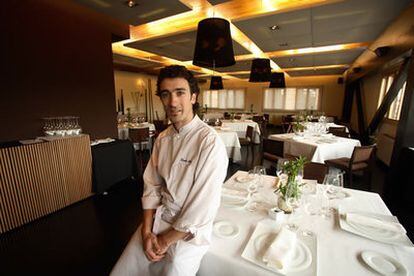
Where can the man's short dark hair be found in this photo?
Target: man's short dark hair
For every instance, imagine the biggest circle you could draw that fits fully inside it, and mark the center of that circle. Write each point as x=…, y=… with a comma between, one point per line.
x=178, y=71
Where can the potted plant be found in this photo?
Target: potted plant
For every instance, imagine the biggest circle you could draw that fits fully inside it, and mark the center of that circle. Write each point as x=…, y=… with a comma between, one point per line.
x=289, y=188
x=298, y=127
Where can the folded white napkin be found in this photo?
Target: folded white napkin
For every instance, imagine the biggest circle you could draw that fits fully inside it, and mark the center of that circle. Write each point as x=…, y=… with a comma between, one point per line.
x=375, y=223
x=234, y=193
x=280, y=252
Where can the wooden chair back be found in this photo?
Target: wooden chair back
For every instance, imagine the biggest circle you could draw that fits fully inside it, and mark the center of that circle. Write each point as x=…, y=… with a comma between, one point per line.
x=249, y=133
x=362, y=154
x=316, y=171
x=273, y=147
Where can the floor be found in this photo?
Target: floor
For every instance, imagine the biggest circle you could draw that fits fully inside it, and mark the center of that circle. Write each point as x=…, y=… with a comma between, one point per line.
x=88, y=237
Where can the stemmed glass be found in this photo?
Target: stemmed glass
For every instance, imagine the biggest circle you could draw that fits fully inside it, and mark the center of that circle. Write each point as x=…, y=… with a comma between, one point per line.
x=260, y=171
x=293, y=202
x=252, y=205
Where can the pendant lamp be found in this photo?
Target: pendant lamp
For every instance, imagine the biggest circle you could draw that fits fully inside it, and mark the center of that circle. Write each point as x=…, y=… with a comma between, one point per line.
x=277, y=80
x=216, y=83
x=260, y=70
x=214, y=46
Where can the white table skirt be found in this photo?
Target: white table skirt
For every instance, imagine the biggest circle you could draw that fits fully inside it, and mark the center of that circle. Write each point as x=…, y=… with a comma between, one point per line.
x=338, y=250
x=240, y=127
x=314, y=149
x=231, y=141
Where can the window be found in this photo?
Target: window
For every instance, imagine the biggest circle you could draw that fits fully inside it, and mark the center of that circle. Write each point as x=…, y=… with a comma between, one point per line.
x=291, y=98
x=224, y=99
x=395, y=109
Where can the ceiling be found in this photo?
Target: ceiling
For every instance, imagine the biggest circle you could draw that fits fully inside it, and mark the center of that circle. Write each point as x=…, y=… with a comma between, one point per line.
x=310, y=37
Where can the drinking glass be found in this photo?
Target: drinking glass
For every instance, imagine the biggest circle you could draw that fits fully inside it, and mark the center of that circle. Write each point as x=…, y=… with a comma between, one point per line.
x=252, y=187
x=260, y=171
x=293, y=202
x=279, y=166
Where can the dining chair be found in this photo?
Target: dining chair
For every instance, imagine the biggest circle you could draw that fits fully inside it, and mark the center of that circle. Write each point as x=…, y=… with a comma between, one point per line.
x=160, y=126
x=287, y=121
x=359, y=161
x=339, y=131
x=315, y=171
x=272, y=150
x=248, y=142
x=140, y=137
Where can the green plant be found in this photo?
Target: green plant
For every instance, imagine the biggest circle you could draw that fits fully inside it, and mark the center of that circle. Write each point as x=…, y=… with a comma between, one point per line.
x=291, y=188
x=298, y=127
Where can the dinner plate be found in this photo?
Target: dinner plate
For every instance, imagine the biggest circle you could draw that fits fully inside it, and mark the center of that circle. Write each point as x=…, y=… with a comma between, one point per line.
x=225, y=229
x=243, y=178
x=376, y=234
x=302, y=256
x=337, y=193
x=304, y=260
x=233, y=202
x=383, y=264
x=239, y=193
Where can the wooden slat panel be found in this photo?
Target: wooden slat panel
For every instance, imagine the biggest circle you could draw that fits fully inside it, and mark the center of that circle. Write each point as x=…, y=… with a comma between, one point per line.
x=36, y=180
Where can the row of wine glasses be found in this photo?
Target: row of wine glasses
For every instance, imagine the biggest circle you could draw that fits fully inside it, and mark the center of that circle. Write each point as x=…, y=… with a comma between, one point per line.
x=61, y=126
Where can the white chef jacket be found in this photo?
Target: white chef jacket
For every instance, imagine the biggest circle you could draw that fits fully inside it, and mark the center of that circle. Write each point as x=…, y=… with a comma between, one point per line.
x=183, y=182
x=184, y=176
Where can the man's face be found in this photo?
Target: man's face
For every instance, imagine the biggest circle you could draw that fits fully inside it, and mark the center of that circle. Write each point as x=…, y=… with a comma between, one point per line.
x=177, y=100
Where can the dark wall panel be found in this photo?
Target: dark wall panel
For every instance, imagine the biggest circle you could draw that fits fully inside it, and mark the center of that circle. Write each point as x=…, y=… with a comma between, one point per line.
x=56, y=61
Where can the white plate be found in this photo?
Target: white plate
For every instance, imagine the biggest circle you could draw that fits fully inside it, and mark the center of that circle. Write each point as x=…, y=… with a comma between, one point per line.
x=234, y=192
x=381, y=235
x=337, y=193
x=302, y=257
x=243, y=178
x=305, y=255
x=225, y=229
x=383, y=264
x=233, y=202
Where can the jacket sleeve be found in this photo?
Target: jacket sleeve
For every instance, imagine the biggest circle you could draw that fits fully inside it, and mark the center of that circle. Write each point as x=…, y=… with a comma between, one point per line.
x=203, y=200
x=151, y=197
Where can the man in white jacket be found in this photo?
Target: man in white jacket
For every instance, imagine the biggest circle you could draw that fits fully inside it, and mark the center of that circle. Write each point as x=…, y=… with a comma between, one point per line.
x=182, y=187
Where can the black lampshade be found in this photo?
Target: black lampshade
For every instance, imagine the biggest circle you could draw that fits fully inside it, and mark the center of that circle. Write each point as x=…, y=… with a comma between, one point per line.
x=214, y=46
x=260, y=71
x=277, y=80
x=216, y=83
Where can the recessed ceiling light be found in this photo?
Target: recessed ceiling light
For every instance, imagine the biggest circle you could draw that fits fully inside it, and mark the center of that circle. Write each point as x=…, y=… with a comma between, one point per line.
x=131, y=3
x=274, y=27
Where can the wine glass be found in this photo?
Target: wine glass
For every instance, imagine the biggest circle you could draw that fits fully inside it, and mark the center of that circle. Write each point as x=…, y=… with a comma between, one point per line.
x=252, y=205
x=293, y=202
x=331, y=185
x=260, y=171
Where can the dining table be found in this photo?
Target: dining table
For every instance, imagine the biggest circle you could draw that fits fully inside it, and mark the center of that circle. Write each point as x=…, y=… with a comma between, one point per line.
x=231, y=142
x=123, y=130
x=240, y=126
x=329, y=248
x=316, y=148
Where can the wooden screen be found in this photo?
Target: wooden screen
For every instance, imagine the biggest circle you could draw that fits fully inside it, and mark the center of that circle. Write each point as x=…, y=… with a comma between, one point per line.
x=38, y=179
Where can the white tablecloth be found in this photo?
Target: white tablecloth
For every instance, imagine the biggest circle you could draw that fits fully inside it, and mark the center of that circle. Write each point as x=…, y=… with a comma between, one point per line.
x=240, y=126
x=231, y=141
x=316, y=149
x=338, y=250
x=328, y=125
